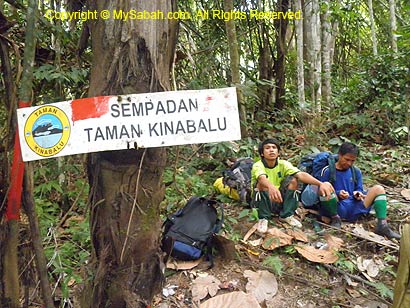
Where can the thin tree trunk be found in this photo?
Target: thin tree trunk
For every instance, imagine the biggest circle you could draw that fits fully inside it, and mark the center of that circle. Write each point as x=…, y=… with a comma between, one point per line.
x=393, y=25
x=11, y=282
x=235, y=63
x=372, y=27
x=126, y=186
x=8, y=245
x=265, y=67
x=313, y=52
x=281, y=25
x=316, y=60
x=41, y=261
x=335, y=31
x=300, y=60
x=25, y=96
x=10, y=266
x=326, y=53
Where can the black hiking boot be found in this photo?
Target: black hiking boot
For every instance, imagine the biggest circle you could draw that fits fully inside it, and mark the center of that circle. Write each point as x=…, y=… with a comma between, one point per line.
x=384, y=230
x=336, y=223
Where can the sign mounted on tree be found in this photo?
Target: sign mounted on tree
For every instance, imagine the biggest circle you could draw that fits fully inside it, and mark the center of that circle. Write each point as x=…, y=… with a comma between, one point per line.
x=128, y=121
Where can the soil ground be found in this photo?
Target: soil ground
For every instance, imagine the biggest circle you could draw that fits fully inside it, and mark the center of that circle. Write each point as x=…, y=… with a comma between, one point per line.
x=301, y=283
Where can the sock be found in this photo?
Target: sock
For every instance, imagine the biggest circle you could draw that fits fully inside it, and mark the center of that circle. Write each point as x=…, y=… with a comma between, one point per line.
x=380, y=206
x=330, y=206
x=290, y=203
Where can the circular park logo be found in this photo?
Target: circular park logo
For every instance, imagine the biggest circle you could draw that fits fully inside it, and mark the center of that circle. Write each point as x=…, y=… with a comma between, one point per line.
x=47, y=131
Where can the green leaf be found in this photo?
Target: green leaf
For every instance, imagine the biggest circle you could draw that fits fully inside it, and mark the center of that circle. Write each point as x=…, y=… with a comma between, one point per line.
x=275, y=263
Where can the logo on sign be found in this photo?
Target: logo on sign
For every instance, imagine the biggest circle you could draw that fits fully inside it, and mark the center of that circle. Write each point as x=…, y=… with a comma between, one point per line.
x=47, y=131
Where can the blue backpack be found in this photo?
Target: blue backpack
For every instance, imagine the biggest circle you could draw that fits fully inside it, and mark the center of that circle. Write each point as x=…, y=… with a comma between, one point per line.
x=315, y=162
x=189, y=233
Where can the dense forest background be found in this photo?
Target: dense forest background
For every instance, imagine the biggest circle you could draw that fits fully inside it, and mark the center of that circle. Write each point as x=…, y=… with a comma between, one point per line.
x=340, y=73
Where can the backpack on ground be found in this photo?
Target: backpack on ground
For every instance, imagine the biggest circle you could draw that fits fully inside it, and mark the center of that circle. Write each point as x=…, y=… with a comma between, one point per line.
x=238, y=177
x=188, y=234
x=314, y=164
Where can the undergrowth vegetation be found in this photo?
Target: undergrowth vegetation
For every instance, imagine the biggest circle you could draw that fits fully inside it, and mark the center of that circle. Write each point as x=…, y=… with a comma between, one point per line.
x=61, y=190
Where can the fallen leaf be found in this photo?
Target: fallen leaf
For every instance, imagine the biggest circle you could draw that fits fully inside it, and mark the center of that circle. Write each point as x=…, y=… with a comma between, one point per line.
x=353, y=292
x=361, y=232
x=297, y=235
x=317, y=255
x=250, y=232
x=256, y=243
x=276, y=238
x=202, y=286
x=405, y=193
x=333, y=242
x=372, y=269
x=229, y=285
x=261, y=284
x=236, y=299
x=369, y=266
x=182, y=265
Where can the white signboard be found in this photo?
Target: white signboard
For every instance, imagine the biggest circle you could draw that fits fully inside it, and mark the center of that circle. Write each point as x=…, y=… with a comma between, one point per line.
x=128, y=121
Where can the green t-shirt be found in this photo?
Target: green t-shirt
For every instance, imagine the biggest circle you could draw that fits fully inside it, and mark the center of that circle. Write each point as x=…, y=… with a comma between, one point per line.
x=275, y=175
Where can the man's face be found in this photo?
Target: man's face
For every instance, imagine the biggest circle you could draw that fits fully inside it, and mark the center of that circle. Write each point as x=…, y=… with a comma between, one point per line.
x=270, y=151
x=346, y=161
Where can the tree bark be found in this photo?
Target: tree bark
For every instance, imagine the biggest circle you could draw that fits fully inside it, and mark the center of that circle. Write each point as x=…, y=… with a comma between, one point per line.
x=300, y=60
x=326, y=53
x=372, y=27
x=281, y=25
x=126, y=189
x=235, y=63
x=393, y=24
x=313, y=52
x=41, y=261
x=10, y=265
x=266, y=69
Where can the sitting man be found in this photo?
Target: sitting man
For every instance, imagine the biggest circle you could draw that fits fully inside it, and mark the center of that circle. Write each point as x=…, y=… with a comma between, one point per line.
x=352, y=201
x=275, y=183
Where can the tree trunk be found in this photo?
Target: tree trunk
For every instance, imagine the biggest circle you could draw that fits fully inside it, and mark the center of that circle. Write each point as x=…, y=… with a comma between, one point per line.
x=235, y=63
x=281, y=25
x=372, y=27
x=36, y=240
x=313, y=52
x=393, y=25
x=10, y=265
x=300, y=60
x=326, y=54
x=266, y=71
x=126, y=189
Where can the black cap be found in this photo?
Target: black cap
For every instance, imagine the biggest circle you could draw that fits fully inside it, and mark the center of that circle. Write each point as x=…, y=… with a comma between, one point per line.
x=269, y=140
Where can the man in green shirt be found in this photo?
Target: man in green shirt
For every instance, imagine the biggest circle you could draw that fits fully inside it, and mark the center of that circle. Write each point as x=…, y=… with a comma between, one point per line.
x=275, y=183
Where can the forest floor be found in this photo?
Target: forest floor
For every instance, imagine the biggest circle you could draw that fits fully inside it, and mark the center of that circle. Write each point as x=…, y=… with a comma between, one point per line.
x=359, y=271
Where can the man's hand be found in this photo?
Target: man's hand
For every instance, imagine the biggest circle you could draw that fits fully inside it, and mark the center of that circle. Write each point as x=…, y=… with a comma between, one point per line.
x=343, y=194
x=274, y=194
x=326, y=189
x=358, y=195
x=264, y=185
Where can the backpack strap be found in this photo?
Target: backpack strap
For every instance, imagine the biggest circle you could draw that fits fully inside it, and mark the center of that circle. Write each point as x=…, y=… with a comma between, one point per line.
x=332, y=168
x=220, y=221
x=355, y=170
x=211, y=241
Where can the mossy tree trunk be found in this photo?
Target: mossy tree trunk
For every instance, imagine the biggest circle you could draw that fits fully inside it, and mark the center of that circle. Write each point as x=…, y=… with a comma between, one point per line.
x=133, y=56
